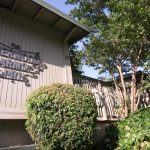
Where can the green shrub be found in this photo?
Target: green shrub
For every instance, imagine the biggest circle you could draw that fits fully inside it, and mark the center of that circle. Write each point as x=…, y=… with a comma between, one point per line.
x=132, y=133
x=61, y=117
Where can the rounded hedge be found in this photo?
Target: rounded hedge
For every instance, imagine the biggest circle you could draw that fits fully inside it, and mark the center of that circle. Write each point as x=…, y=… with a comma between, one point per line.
x=61, y=117
x=132, y=133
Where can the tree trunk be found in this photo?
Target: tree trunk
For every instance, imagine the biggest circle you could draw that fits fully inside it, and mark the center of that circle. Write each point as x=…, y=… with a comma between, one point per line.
x=138, y=98
x=139, y=94
x=119, y=67
x=119, y=94
x=133, y=88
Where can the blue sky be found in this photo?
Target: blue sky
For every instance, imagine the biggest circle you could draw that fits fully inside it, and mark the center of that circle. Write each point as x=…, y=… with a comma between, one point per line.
x=60, y=4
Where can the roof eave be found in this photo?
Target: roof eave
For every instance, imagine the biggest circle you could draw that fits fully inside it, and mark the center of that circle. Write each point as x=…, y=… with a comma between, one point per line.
x=76, y=23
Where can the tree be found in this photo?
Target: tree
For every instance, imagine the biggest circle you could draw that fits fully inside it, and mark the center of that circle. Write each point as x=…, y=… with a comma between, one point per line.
x=120, y=44
x=145, y=84
x=76, y=59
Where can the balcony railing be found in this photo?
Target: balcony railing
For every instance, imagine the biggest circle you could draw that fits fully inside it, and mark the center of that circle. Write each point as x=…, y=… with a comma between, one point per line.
x=104, y=94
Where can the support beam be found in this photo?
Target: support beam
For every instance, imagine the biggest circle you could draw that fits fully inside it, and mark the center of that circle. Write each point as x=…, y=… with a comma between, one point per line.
x=80, y=36
x=37, y=15
x=70, y=33
x=14, y=5
x=56, y=23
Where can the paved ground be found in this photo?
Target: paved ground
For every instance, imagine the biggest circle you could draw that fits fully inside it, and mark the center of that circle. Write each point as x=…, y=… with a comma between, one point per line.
x=26, y=147
x=98, y=146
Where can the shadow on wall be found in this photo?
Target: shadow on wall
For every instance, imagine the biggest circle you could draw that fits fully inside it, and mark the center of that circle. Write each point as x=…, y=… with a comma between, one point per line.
x=13, y=132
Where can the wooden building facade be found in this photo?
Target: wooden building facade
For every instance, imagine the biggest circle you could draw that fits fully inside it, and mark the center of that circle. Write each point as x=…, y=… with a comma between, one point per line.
x=34, y=42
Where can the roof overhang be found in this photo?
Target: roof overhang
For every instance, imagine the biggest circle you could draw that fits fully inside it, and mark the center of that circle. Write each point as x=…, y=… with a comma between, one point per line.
x=40, y=11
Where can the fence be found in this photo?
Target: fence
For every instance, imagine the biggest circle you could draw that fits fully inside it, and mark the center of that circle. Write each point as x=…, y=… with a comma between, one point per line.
x=104, y=94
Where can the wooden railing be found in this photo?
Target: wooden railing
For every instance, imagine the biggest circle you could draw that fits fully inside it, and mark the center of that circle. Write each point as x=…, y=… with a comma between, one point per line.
x=104, y=94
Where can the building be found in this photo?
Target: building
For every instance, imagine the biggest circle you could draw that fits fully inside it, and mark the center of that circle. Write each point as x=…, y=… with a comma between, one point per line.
x=34, y=42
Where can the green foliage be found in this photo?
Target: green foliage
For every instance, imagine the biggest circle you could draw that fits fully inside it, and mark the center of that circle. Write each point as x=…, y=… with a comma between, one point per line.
x=132, y=133
x=146, y=84
x=61, y=117
x=123, y=32
x=76, y=59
